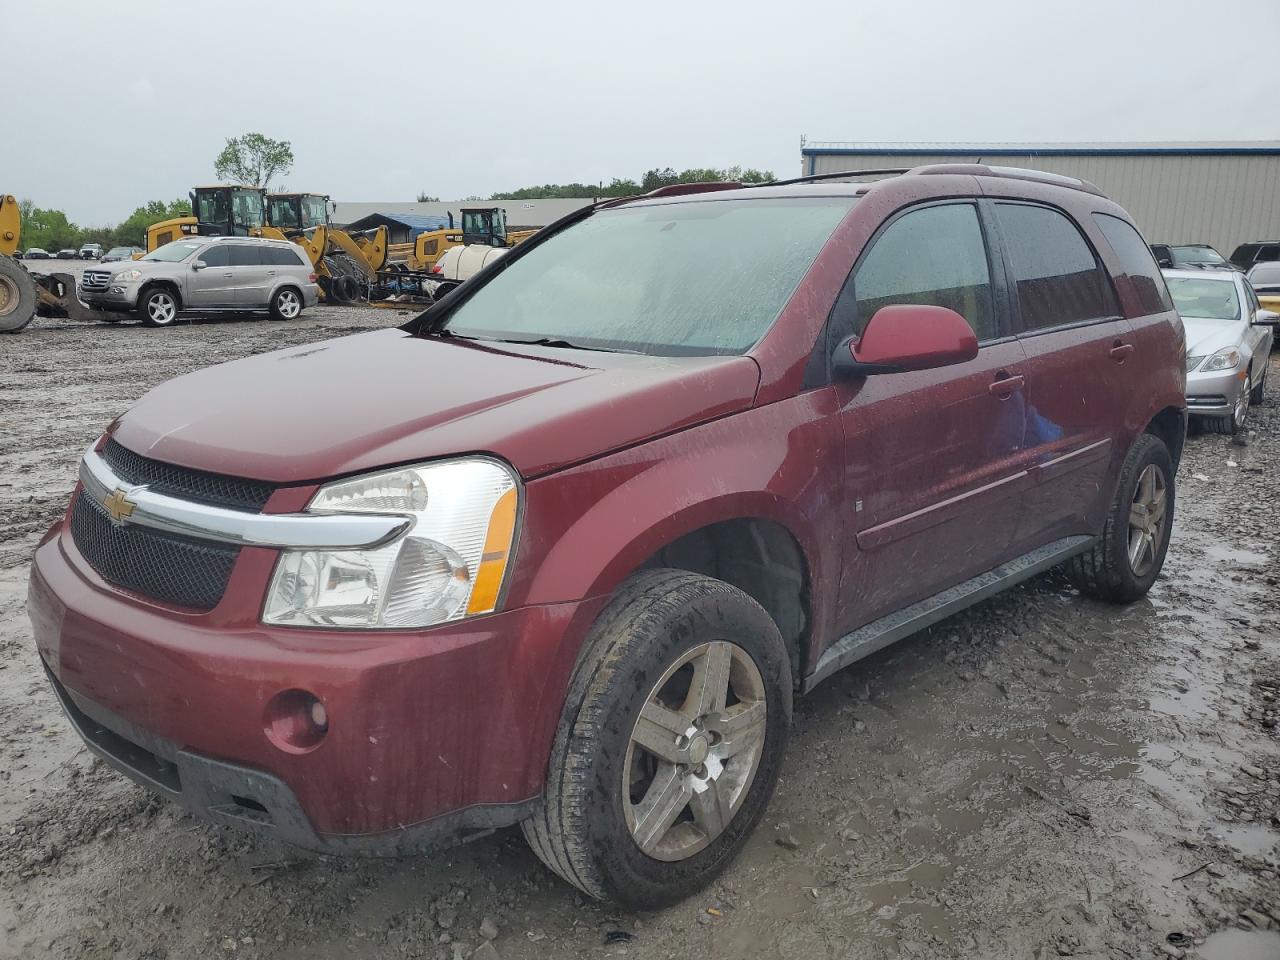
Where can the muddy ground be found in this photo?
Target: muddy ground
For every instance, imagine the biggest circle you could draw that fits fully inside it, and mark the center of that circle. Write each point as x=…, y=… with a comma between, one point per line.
x=1042, y=776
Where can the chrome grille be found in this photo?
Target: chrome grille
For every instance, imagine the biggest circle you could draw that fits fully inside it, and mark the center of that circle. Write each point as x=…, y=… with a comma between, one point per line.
x=188, y=484
x=95, y=281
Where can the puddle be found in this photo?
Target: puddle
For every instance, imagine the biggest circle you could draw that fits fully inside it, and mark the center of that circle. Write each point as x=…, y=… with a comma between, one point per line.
x=1241, y=945
x=1229, y=554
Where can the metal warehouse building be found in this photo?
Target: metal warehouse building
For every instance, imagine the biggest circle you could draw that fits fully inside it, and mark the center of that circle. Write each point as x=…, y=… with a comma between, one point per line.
x=1220, y=193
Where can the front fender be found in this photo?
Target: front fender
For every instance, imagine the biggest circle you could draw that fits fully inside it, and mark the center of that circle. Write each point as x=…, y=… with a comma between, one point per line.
x=589, y=527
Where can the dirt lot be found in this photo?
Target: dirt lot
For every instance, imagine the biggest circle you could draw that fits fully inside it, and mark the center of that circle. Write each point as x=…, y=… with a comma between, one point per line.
x=1042, y=776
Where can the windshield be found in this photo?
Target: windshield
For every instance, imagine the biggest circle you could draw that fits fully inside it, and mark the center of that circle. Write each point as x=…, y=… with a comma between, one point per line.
x=315, y=211
x=1205, y=298
x=284, y=213
x=1196, y=255
x=211, y=207
x=700, y=278
x=173, y=252
x=246, y=207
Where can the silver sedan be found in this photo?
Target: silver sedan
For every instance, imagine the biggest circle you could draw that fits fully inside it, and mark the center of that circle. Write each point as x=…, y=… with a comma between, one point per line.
x=1229, y=338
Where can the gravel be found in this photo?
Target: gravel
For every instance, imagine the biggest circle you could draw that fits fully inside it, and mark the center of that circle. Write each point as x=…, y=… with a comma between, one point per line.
x=1042, y=776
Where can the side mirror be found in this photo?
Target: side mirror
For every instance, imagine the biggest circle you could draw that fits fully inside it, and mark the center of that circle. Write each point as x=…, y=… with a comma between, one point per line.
x=1268, y=318
x=199, y=265
x=904, y=337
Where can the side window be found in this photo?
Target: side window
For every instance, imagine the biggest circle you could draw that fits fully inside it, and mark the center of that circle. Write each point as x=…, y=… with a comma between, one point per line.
x=1268, y=253
x=216, y=255
x=1251, y=296
x=1057, y=278
x=243, y=255
x=935, y=255
x=277, y=257
x=1142, y=272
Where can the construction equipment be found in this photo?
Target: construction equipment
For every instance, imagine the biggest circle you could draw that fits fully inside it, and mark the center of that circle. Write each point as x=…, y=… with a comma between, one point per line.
x=23, y=295
x=225, y=210
x=346, y=265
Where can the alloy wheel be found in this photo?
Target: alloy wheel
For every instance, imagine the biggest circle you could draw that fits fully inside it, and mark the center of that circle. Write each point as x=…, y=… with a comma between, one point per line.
x=288, y=305
x=1241, y=409
x=694, y=751
x=161, y=308
x=1146, y=520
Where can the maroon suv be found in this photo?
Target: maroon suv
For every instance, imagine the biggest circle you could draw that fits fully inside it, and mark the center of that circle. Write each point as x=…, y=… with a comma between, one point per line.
x=561, y=551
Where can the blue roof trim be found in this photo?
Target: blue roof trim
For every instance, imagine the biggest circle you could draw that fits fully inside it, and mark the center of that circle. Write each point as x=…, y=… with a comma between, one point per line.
x=1038, y=151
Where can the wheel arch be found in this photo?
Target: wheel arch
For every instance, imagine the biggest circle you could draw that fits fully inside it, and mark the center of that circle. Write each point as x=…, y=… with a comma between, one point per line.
x=1170, y=425
x=169, y=285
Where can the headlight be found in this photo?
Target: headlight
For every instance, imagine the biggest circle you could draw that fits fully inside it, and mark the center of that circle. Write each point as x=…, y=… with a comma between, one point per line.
x=127, y=276
x=451, y=564
x=1228, y=358
x=1193, y=362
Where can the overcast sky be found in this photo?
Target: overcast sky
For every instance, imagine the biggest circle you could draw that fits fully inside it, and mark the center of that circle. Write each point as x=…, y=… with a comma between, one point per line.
x=113, y=104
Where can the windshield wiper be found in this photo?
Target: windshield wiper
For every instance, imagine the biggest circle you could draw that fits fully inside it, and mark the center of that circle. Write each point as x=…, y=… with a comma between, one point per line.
x=559, y=342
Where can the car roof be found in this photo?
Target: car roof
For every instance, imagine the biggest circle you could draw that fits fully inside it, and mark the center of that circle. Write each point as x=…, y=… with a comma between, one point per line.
x=271, y=241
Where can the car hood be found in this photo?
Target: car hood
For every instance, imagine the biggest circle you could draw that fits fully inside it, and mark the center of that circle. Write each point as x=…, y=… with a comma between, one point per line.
x=367, y=401
x=1208, y=336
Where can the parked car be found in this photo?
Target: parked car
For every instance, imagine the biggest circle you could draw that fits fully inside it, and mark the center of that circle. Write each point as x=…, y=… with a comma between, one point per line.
x=1265, y=280
x=562, y=550
x=1190, y=255
x=1259, y=251
x=240, y=274
x=66, y=253
x=36, y=253
x=1229, y=337
x=120, y=253
x=90, y=251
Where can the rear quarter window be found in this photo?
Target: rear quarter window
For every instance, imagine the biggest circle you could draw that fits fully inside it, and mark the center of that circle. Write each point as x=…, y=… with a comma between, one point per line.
x=1140, y=268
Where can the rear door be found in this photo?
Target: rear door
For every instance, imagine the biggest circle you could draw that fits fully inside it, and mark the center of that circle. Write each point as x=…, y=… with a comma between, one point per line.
x=212, y=286
x=934, y=459
x=1077, y=343
x=251, y=279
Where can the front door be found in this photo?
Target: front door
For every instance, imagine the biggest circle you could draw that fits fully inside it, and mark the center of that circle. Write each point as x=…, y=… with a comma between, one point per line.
x=213, y=285
x=935, y=460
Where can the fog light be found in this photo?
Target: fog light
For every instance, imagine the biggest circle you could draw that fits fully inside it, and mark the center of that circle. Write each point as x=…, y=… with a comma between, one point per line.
x=296, y=721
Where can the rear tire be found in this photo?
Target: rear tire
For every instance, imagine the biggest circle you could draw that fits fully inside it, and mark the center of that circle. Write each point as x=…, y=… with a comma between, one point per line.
x=158, y=307
x=605, y=792
x=1125, y=563
x=17, y=296
x=286, y=304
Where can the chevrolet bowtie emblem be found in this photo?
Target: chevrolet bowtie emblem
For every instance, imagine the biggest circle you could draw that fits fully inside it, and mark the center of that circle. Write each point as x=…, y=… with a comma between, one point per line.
x=118, y=505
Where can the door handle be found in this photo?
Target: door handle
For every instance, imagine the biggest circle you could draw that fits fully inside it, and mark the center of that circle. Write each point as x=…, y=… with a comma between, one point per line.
x=1120, y=351
x=228, y=274
x=1007, y=385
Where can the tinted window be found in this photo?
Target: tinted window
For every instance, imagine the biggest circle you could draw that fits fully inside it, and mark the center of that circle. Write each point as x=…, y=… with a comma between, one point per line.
x=1269, y=252
x=216, y=255
x=243, y=255
x=1196, y=253
x=1139, y=266
x=279, y=257
x=936, y=256
x=1265, y=275
x=1057, y=278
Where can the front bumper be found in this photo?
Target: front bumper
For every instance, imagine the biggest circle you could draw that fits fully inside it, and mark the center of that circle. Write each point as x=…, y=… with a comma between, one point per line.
x=125, y=298
x=1214, y=394
x=432, y=733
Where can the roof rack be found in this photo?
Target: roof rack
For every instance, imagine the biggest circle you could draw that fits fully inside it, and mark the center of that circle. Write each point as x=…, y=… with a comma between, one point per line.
x=817, y=177
x=1006, y=173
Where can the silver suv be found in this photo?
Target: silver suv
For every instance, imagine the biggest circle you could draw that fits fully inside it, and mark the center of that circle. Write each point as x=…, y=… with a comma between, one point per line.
x=205, y=275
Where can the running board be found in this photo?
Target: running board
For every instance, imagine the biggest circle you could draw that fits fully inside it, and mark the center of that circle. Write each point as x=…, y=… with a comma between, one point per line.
x=878, y=634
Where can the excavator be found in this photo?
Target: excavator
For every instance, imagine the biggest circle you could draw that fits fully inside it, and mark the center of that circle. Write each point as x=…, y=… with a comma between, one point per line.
x=23, y=295
x=225, y=210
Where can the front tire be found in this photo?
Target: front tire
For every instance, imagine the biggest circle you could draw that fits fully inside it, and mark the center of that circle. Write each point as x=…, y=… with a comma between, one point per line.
x=670, y=742
x=286, y=304
x=17, y=296
x=1259, y=393
x=1125, y=563
x=158, y=307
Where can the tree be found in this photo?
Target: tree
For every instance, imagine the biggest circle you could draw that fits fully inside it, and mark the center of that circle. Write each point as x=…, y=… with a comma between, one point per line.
x=652, y=180
x=254, y=160
x=132, y=232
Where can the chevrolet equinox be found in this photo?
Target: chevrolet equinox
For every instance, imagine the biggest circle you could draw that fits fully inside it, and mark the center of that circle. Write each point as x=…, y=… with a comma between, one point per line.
x=561, y=550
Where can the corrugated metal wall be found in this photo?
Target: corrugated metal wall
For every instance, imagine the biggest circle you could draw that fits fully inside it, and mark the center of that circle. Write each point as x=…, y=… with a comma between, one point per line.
x=1222, y=200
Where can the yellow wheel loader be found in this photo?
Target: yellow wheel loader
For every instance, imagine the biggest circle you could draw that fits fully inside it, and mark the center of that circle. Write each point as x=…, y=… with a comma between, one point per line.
x=23, y=295
x=347, y=266
x=225, y=210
